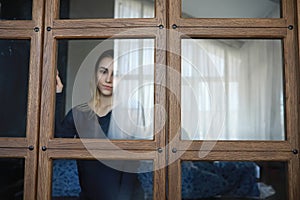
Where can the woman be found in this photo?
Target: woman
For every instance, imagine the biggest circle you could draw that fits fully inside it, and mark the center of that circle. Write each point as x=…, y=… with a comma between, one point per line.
x=97, y=180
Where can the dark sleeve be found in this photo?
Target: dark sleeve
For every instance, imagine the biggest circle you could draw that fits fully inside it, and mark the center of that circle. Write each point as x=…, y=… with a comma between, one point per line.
x=130, y=188
x=64, y=127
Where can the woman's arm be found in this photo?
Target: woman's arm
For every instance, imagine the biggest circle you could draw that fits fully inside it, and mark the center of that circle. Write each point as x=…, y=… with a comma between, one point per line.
x=64, y=127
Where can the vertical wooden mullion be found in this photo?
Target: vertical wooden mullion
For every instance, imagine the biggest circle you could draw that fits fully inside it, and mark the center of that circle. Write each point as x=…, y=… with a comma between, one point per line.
x=297, y=162
x=48, y=89
x=291, y=72
x=38, y=13
x=293, y=178
x=51, y=12
x=161, y=12
x=174, y=12
x=288, y=11
x=159, y=187
x=44, y=176
x=32, y=128
x=30, y=179
x=174, y=179
x=159, y=178
x=174, y=100
x=174, y=111
x=47, y=106
x=174, y=86
x=291, y=84
x=47, y=117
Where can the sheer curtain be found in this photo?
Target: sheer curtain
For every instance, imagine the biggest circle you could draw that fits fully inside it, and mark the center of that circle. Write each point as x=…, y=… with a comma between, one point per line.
x=134, y=9
x=134, y=72
x=134, y=88
x=239, y=80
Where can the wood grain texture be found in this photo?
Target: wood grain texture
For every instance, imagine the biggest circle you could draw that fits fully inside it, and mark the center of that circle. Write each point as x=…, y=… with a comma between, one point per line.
x=48, y=89
x=168, y=50
x=226, y=32
x=60, y=143
x=15, y=33
x=53, y=21
x=30, y=179
x=174, y=180
x=33, y=108
x=238, y=156
x=145, y=32
x=38, y=12
x=44, y=176
x=231, y=23
x=6, y=142
x=160, y=90
x=293, y=178
x=16, y=24
x=159, y=179
x=100, y=154
x=105, y=23
x=238, y=150
x=267, y=146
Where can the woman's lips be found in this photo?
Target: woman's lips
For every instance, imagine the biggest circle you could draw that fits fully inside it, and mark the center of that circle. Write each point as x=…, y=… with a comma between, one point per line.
x=107, y=87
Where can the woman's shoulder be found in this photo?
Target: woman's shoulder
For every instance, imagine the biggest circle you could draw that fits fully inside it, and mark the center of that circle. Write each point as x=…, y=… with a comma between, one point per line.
x=82, y=107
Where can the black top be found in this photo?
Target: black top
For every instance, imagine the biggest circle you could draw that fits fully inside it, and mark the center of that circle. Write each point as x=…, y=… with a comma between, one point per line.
x=97, y=180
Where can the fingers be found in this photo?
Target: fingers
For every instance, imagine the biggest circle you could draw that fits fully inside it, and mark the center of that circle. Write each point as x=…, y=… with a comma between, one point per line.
x=59, y=85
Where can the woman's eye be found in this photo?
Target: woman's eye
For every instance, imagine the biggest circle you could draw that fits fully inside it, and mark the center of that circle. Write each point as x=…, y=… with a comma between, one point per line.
x=103, y=71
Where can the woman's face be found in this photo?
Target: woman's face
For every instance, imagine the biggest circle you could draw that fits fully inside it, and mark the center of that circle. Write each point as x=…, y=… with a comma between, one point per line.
x=105, y=76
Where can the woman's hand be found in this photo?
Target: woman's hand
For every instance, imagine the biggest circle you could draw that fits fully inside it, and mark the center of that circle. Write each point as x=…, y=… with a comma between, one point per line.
x=59, y=85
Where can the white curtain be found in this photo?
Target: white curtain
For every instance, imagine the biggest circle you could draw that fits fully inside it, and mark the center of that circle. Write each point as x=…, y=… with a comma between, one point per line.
x=237, y=85
x=134, y=72
x=134, y=88
x=134, y=9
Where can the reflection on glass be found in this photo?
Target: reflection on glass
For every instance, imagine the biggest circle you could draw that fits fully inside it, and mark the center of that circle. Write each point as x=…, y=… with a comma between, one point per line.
x=106, y=82
x=15, y=9
x=231, y=8
x=77, y=9
x=234, y=180
x=105, y=179
x=12, y=178
x=14, y=72
x=236, y=86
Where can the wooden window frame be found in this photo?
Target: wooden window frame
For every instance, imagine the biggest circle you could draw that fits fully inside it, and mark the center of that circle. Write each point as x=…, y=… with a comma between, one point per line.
x=58, y=148
x=251, y=28
x=39, y=147
x=27, y=147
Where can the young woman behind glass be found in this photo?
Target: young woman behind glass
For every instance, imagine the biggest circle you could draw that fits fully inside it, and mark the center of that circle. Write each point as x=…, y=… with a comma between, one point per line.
x=94, y=120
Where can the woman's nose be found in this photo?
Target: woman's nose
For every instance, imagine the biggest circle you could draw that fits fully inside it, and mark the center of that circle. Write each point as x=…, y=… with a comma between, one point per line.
x=109, y=78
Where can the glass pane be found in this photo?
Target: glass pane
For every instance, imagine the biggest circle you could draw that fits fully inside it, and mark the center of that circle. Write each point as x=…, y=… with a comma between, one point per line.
x=12, y=178
x=106, y=82
x=231, y=8
x=79, y=9
x=14, y=72
x=105, y=179
x=236, y=86
x=234, y=180
x=15, y=9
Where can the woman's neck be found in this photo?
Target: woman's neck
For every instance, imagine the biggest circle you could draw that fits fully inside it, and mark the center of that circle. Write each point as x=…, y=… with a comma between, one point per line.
x=105, y=105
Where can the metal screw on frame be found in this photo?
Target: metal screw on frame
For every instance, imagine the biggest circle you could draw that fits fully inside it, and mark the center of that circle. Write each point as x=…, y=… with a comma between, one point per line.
x=295, y=151
x=290, y=27
x=160, y=150
x=174, y=150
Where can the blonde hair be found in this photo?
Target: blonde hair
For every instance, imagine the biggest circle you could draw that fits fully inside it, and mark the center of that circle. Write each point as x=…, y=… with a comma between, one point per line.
x=95, y=93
